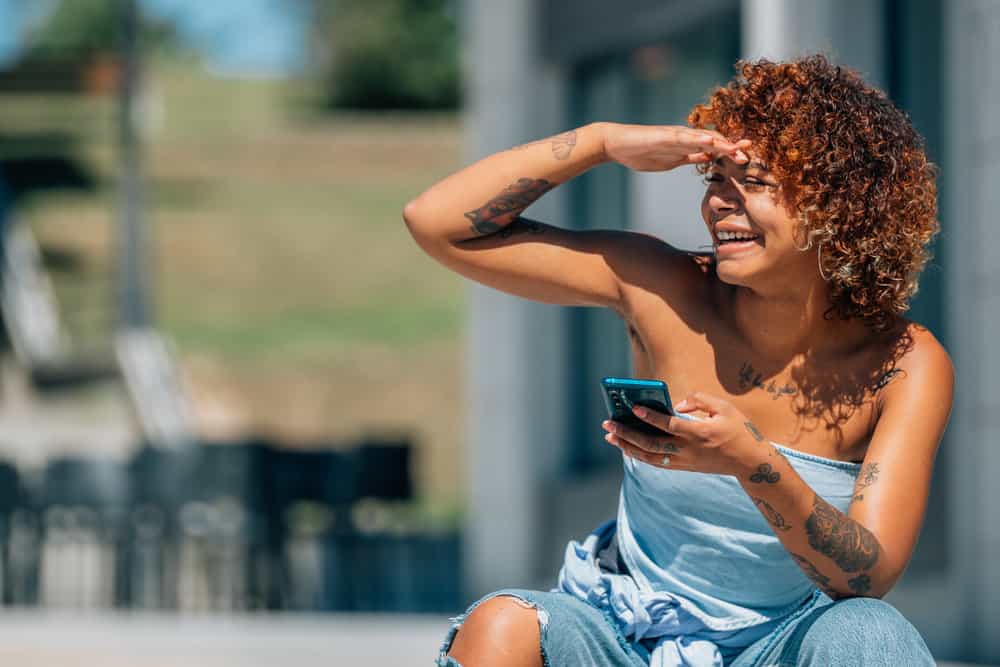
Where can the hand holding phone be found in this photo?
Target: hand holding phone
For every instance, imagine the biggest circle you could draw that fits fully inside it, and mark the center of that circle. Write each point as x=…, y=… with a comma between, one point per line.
x=622, y=394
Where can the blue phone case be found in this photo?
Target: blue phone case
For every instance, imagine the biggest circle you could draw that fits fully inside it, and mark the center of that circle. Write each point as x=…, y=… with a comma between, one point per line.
x=620, y=394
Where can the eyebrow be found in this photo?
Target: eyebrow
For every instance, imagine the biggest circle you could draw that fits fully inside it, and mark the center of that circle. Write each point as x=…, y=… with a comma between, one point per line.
x=753, y=164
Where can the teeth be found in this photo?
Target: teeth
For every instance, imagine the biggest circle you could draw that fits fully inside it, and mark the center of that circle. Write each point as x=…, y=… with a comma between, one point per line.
x=735, y=236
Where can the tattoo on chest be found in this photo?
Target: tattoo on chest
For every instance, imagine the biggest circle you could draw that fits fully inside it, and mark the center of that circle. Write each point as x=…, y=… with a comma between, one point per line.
x=751, y=378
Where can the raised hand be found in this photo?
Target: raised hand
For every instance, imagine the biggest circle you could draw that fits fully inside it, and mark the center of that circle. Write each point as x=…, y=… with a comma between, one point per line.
x=664, y=147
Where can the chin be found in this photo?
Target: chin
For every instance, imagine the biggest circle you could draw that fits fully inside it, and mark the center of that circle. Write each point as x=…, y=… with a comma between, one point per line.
x=734, y=273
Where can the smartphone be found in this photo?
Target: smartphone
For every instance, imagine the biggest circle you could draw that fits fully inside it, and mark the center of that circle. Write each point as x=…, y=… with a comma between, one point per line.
x=620, y=394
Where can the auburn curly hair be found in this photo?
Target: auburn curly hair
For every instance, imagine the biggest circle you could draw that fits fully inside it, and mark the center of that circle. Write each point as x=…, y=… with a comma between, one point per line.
x=853, y=170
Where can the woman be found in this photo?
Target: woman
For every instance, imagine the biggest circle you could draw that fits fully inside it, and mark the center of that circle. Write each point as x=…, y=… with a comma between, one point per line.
x=766, y=532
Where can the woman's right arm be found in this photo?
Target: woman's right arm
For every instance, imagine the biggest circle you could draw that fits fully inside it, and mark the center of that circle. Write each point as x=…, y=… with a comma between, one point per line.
x=470, y=221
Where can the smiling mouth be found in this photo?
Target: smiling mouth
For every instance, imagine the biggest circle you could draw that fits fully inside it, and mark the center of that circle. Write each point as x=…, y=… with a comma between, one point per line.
x=727, y=238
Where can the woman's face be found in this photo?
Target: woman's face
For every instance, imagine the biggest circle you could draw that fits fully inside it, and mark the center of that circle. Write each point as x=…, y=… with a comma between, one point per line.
x=753, y=233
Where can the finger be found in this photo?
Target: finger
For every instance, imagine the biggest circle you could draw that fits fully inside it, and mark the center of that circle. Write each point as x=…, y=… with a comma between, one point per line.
x=698, y=158
x=658, y=460
x=657, y=444
x=665, y=422
x=704, y=402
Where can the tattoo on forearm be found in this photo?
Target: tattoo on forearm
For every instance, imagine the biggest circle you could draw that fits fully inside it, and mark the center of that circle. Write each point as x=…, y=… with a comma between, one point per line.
x=868, y=476
x=860, y=584
x=521, y=226
x=562, y=144
x=502, y=209
x=751, y=378
x=765, y=474
x=842, y=539
x=820, y=579
x=754, y=432
x=772, y=515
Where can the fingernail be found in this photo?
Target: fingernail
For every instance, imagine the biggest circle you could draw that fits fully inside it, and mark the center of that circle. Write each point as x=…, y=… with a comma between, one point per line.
x=639, y=411
x=683, y=404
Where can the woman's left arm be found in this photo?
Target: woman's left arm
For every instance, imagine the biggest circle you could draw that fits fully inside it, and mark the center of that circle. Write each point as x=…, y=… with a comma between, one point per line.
x=863, y=552
x=866, y=550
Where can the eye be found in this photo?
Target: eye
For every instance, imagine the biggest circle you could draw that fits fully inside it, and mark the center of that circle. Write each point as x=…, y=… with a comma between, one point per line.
x=757, y=184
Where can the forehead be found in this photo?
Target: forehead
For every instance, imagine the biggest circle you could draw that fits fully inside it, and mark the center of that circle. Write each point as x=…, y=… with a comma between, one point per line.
x=755, y=163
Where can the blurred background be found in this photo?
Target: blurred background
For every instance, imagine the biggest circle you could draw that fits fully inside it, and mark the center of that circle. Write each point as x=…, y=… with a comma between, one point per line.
x=244, y=418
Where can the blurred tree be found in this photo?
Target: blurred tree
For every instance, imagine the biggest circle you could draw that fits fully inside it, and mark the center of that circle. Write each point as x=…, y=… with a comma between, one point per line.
x=85, y=28
x=387, y=54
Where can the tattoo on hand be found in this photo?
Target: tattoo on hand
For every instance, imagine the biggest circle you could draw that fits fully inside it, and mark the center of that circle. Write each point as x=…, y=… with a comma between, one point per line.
x=665, y=447
x=765, y=474
x=772, y=515
x=506, y=206
x=868, y=476
x=750, y=377
x=754, y=432
x=842, y=539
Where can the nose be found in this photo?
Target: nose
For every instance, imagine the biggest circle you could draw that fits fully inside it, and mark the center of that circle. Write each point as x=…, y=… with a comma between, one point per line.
x=724, y=198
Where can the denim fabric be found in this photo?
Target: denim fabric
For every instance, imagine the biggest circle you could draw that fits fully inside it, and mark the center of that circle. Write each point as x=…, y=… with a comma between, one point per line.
x=572, y=632
x=856, y=631
x=822, y=633
x=707, y=584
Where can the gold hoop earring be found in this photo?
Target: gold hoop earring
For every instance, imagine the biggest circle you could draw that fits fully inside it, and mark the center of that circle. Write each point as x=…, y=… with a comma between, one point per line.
x=819, y=261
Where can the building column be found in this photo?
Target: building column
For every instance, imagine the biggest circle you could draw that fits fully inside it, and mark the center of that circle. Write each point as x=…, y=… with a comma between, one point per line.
x=851, y=32
x=515, y=363
x=972, y=85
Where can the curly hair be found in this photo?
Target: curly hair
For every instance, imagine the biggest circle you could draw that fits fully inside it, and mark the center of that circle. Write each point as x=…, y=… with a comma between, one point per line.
x=853, y=169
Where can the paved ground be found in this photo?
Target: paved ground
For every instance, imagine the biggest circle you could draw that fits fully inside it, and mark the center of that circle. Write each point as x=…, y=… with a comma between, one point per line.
x=52, y=639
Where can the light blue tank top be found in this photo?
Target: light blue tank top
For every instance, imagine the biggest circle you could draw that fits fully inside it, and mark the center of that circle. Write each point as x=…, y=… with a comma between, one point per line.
x=705, y=568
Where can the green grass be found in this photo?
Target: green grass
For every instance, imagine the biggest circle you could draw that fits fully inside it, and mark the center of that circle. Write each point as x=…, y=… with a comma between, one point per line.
x=280, y=264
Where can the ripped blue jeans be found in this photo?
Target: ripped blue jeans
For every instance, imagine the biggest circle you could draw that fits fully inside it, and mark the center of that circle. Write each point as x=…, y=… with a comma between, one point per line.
x=856, y=631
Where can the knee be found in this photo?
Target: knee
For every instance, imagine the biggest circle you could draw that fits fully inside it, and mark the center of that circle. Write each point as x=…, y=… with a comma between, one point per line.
x=868, y=630
x=502, y=630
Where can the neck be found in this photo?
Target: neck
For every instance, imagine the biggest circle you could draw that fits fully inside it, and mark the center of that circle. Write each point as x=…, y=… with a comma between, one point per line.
x=788, y=321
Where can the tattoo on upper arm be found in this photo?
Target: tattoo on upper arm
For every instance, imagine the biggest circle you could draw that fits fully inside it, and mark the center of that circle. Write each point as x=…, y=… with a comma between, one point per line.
x=868, y=476
x=772, y=515
x=562, y=144
x=502, y=209
x=886, y=378
x=765, y=474
x=842, y=539
x=754, y=432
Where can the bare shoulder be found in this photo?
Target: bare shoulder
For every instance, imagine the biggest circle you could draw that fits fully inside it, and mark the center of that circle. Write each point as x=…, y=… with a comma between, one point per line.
x=652, y=270
x=920, y=371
